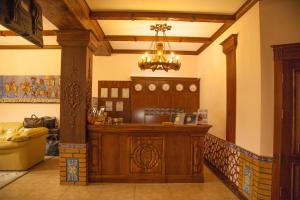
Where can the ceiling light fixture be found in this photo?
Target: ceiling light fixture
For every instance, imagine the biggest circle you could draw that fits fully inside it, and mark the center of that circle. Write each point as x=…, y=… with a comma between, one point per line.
x=155, y=59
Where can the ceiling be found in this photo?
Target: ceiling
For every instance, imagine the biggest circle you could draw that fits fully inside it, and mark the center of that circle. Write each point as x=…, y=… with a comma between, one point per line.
x=203, y=6
x=122, y=27
x=126, y=23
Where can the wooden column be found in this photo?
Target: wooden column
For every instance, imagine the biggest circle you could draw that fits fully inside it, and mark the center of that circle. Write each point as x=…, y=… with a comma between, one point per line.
x=229, y=48
x=76, y=94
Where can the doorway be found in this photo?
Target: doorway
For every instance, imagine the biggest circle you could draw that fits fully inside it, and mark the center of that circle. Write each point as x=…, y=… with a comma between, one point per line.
x=286, y=163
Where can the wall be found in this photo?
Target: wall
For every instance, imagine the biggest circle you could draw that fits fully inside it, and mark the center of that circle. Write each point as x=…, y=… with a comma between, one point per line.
x=123, y=66
x=212, y=71
x=47, y=62
x=28, y=62
x=279, y=24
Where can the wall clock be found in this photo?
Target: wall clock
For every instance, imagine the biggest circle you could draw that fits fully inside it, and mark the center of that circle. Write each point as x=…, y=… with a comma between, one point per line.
x=152, y=87
x=193, y=88
x=138, y=87
x=165, y=87
x=179, y=87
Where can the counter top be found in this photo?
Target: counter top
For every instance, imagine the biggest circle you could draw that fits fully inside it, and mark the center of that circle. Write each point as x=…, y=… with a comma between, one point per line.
x=127, y=127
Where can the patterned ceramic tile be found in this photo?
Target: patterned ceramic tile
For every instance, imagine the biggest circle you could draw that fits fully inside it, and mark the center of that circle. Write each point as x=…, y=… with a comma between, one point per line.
x=72, y=169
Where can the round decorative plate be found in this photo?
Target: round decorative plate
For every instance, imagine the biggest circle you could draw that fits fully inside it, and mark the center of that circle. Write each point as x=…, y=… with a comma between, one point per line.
x=152, y=87
x=193, y=88
x=138, y=87
x=165, y=87
x=179, y=87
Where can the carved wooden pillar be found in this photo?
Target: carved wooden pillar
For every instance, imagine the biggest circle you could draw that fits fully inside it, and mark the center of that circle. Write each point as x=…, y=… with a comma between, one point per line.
x=229, y=48
x=76, y=93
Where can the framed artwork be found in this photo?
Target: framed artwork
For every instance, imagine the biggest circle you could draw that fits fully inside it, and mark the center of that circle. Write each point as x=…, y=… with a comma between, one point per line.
x=119, y=106
x=114, y=93
x=203, y=116
x=125, y=93
x=108, y=105
x=30, y=89
x=104, y=92
x=177, y=118
x=191, y=119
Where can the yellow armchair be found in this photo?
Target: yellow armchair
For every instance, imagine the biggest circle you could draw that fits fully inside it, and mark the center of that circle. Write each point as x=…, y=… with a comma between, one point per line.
x=21, y=148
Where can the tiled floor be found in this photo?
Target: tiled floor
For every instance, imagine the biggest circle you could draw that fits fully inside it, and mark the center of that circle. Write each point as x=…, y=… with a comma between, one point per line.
x=42, y=183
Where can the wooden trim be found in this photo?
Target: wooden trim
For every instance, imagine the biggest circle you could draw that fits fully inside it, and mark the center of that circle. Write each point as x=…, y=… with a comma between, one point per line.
x=29, y=47
x=160, y=78
x=244, y=8
x=6, y=33
x=218, y=33
x=172, y=16
x=238, y=14
x=160, y=38
x=74, y=15
x=229, y=47
x=133, y=51
x=285, y=57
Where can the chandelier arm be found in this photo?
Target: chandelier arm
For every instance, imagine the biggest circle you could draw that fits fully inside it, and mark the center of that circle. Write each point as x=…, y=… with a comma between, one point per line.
x=169, y=45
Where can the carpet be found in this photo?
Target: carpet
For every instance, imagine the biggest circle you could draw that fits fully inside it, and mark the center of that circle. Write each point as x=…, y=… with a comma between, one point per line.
x=6, y=177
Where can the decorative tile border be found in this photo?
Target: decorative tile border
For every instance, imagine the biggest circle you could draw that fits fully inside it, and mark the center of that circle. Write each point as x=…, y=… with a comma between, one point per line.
x=73, y=164
x=247, y=174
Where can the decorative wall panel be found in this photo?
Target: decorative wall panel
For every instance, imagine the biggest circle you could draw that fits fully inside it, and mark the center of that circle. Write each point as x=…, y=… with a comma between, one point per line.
x=30, y=89
x=146, y=155
x=162, y=94
x=246, y=173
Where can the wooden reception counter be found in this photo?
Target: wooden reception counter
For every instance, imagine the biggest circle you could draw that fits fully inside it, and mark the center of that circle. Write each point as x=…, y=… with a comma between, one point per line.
x=146, y=153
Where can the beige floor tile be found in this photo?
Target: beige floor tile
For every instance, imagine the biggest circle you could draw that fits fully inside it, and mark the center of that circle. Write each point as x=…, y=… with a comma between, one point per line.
x=42, y=183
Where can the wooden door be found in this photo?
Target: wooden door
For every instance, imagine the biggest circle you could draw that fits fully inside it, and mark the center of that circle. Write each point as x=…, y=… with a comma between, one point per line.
x=286, y=164
x=290, y=150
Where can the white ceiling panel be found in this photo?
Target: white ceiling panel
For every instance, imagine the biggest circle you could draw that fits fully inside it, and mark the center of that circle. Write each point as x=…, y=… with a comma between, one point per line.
x=141, y=27
x=47, y=25
x=2, y=28
x=179, y=46
x=203, y=6
x=18, y=40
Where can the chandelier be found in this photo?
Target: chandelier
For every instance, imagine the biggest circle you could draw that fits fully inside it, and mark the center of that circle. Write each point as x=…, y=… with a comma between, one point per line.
x=155, y=59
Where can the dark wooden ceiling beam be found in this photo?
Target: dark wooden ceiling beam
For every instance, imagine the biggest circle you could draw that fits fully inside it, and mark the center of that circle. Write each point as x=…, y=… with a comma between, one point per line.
x=238, y=14
x=153, y=38
x=11, y=33
x=73, y=15
x=132, y=51
x=172, y=16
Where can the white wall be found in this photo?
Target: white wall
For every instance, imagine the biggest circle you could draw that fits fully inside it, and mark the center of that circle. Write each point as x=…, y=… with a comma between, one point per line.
x=123, y=66
x=279, y=24
x=28, y=62
x=269, y=22
x=212, y=71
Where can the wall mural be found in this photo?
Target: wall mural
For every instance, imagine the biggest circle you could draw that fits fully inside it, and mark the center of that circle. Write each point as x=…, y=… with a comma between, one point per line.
x=29, y=89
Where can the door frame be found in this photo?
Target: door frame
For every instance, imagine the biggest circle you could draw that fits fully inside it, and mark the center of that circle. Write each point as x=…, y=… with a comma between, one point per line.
x=282, y=54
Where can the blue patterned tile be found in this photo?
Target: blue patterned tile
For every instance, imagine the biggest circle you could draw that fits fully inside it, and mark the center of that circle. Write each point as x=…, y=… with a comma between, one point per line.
x=247, y=179
x=72, y=169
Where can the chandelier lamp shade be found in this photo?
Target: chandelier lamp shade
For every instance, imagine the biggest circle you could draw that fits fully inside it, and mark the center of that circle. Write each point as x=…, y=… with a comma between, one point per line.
x=155, y=58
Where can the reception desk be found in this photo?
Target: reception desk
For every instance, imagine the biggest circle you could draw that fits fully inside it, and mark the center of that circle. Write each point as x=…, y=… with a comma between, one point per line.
x=146, y=153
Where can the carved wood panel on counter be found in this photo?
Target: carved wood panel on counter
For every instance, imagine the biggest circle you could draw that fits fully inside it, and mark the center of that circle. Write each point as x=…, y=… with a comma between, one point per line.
x=115, y=97
x=146, y=153
x=162, y=93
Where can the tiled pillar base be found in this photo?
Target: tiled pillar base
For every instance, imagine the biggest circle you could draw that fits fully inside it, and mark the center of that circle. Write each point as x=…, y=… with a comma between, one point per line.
x=73, y=164
x=255, y=178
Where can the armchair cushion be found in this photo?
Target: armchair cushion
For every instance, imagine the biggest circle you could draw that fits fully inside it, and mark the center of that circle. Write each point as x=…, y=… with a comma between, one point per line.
x=18, y=134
